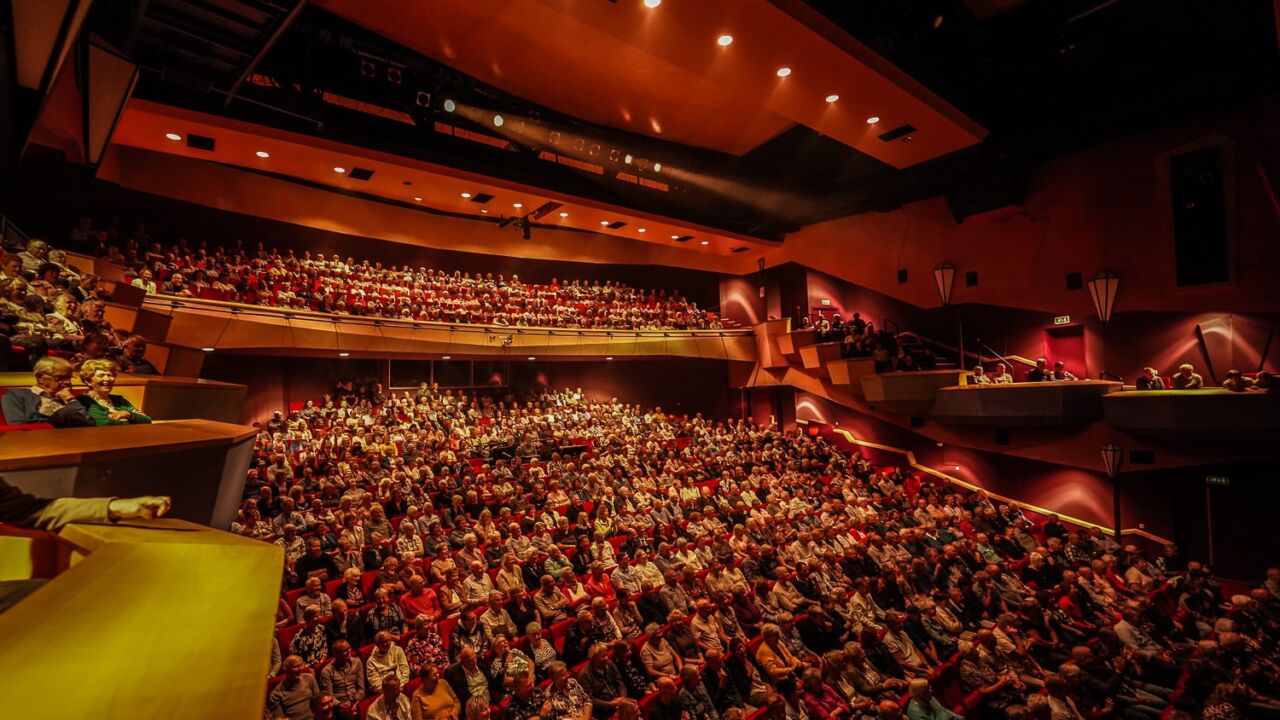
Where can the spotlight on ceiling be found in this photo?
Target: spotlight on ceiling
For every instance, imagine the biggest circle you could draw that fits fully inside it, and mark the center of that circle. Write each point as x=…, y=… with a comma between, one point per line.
x=173, y=136
x=628, y=159
x=724, y=40
x=832, y=98
x=784, y=71
x=208, y=349
x=344, y=354
x=466, y=195
x=564, y=214
x=446, y=357
x=604, y=222
x=263, y=154
x=532, y=357
x=517, y=205
x=417, y=198
x=609, y=357
x=640, y=230
x=652, y=3
x=704, y=243
x=497, y=121
x=450, y=106
x=873, y=119
x=339, y=170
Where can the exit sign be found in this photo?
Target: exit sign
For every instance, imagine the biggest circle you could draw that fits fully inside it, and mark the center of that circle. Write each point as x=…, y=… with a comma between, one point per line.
x=1062, y=320
x=1219, y=480
x=826, y=302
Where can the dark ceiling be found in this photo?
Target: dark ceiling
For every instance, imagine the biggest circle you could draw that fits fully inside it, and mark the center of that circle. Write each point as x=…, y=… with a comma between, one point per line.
x=1045, y=77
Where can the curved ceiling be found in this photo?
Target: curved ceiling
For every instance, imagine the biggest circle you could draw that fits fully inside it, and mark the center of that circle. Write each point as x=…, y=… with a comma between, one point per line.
x=661, y=71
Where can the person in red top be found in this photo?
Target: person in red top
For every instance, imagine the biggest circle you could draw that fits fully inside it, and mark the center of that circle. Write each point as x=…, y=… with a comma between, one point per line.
x=598, y=584
x=420, y=599
x=821, y=700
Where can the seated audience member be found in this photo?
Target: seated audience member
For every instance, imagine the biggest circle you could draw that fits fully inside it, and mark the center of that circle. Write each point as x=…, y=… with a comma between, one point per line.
x=1149, y=379
x=602, y=680
x=566, y=699
x=313, y=595
x=392, y=704
x=979, y=376
x=1060, y=372
x=145, y=282
x=292, y=697
x=923, y=705
x=469, y=678
x=311, y=643
x=1237, y=382
x=35, y=255
x=1262, y=382
x=387, y=657
x=133, y=359
x=1041, y=372
x=50, y=400
x=1001, y=376
x=23, y=510
x=1187, y=378
x=344, y=678
x=99, y=404
x=435, y=700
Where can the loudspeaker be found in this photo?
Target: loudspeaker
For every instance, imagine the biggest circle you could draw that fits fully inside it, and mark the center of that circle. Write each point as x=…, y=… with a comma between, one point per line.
x=971, y=278
x=1199, y=217
x=902, y=275
x=1075, y=281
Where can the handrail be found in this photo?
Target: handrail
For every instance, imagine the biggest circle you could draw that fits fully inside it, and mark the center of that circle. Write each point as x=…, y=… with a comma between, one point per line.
x=171, y=303
x=977, y=356
x=7, y=228
x=1105, y=375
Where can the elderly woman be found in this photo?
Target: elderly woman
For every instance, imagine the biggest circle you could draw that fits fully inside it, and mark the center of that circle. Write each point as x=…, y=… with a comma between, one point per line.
x=425, y=647
x=434, y=700
x=103, y=407
x=566, y=699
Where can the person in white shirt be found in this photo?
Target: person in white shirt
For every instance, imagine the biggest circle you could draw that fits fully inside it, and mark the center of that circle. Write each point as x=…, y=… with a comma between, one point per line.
x=393, y=705
x=386, y=658
x=1001, y=375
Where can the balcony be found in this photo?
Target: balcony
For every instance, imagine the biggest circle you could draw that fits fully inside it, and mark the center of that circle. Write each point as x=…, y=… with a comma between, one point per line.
x=1043, y=404
x=1207, y=413
x=912, y=393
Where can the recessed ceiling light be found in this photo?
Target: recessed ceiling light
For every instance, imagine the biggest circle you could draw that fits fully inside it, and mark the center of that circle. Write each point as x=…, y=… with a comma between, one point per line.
x=724, y=40
x=628, y=159
x=486, y=212
x=173, y=136
x=604, y=222
x=339, y=169
x=344, y=354
x=564, y=214
x=446, y=357
x=609, y=358
x=466, y=195
x=657, y=167
x=417, y=198
x=705, y=242
x=263, y=154
x=450, y=105
x=784, y=71
x=640, y=230
x=832, y=98
x=497, y=121
x=207, y=349
x=532, y=357
x=652, y=3
x=675, y=237
x=873, y=119
x=517, y=205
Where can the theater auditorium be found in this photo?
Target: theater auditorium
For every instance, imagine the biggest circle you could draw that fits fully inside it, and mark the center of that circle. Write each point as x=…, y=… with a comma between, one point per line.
x=639, y=359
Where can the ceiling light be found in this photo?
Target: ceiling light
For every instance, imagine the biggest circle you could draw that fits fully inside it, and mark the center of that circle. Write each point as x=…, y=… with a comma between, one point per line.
x=604, y=222
x=466, y=195
x=486, y=212
x=641, y=230
x=675, y=237
x=344, y=354
x=207, y=349
x=724, y=40
x=705, y=242
x=446, y=357
x=517, y=205
x=609, y=358
x=417, y=198
x=450, y=106
x=652, y=3
x=657, y=167
x=339, y=169
x=532, y=357
x=497, y=121
x=873, y=119
x=784, y=71
x=832, y=98
x=173, y=136
x=628, y=159
x=564, y=214
x=263, y=154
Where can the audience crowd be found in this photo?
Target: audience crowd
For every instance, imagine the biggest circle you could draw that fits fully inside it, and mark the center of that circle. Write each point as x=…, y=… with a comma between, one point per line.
x=557, y=557
x=276, y=278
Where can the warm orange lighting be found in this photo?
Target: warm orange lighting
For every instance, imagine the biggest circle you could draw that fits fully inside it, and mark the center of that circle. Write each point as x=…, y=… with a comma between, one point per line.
x=705, y=242
x=640, y=230
x=564, y=214
x=517, y=205
x=784, y=71
x=263, y=154
x=339, y=170
x=417, y=198
x=173, y=136
x=832, y=98
x=652, y=3
x=604, y=222
x=724, y=40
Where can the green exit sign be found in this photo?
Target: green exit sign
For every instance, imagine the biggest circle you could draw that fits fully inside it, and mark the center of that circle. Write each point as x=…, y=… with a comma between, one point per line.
x=1220, y=480
x=1062, y=320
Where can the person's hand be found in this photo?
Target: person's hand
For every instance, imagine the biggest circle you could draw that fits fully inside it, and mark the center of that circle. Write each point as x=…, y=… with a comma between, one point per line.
x=119, y=414
x=65, y=395
x=146, y=507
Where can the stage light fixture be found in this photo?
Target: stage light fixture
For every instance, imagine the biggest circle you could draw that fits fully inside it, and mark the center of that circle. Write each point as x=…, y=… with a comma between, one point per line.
x=422, y=99
x=657, y=167
x=724, y=40
x=832, y=98
x=497, y=121
x=784, y=71
x=450, y=105
x=173, y=136
x=628, y=159
x=263, y=154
